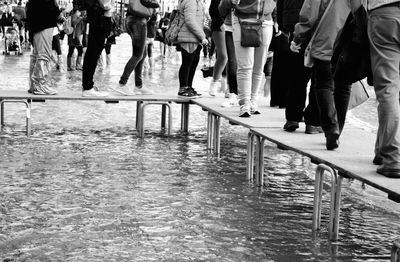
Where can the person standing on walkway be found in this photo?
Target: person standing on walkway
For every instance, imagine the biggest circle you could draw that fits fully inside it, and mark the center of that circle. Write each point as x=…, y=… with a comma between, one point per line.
x=287, y=17
x=99, y=14
x=325, y=18
x=218, y=35
x=251, y=60
x=42, y=17
x=136, y=26
x=190, y=39
x=384, y=37
x=75, y=41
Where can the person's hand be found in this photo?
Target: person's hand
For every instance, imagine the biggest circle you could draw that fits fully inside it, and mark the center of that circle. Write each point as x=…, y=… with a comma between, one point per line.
x=294, y=47
x=204, y=41
x=278, y=33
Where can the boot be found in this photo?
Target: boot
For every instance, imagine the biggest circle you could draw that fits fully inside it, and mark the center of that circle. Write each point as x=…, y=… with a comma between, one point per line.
x=108, y=60
x=60, y=63
x=69, y=64
x=100, y=63
x=79, y=63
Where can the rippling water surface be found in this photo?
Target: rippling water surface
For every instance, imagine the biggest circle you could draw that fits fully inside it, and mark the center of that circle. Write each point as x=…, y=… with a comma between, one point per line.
x=84, y=187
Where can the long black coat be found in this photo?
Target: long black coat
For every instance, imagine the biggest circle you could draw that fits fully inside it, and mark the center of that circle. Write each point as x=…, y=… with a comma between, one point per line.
x=287, y=12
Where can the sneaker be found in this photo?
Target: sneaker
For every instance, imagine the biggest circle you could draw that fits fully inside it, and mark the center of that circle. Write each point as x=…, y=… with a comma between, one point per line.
x=223, y=88
x=254, y=109
x=310, y=129
x=142, y=91
x=232, y=101
x=244, y=111
x=191, y=89
x=377, y=160
x=213, y=87
x=186, y=93
x=44, y=90
x=122, y=90
x=95, y=92
x=291, y=126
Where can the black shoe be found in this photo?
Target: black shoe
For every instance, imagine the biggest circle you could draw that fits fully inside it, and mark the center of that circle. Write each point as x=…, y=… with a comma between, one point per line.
x=310, y=129
x=191, y=89
x=388, y=172
x=291, y=126
x=377, y=160
x=188, y=92
x=332, y=141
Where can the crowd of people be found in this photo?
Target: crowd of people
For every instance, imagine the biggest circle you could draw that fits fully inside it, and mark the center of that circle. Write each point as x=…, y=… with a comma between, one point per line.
x=301, y=34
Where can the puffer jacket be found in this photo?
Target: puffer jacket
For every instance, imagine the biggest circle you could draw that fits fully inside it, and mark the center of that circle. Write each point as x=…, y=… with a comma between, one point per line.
x=373, y=4
x=192, y=14
x=309, y=18
x=288, y=14
x=254, y=9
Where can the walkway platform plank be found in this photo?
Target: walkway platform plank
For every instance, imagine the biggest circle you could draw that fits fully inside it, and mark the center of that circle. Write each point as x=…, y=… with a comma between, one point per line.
x=74, y=95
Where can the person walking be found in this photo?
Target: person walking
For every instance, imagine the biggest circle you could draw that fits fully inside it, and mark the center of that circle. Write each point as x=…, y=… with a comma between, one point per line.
x=99, y=18
x=190, y=39
x=42, y=17
x=251, y=60
x=136, y=27
x=295, y=110
x=325, y=18
x=384, y=38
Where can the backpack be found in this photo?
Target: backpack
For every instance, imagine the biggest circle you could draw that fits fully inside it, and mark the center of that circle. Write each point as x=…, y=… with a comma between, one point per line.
x=175, y=24
x=68, y=28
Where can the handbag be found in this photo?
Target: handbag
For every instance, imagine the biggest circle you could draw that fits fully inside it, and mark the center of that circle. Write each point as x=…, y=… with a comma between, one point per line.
x=358, y=95
x=250, y=33
x=136, y=8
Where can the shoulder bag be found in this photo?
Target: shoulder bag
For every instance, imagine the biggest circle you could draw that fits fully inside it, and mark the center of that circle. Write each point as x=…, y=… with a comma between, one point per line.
x=136, y=8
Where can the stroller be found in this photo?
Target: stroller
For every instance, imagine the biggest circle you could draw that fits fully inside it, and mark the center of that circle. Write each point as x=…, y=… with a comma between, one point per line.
x=12, y=41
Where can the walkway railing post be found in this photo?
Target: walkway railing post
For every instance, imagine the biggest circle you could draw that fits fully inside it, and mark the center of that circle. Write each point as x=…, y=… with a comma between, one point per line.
x=395, y=254
x=217, y=135
x=185, y=117
x=261, y=142
x=333, y=228
x=250, y=156
x=209, y=130
x=1, y=114
x=163, y=115
x=28, y=117
x=138, y=115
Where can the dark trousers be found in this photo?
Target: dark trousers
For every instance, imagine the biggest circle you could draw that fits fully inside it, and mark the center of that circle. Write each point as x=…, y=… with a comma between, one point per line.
x=56, y=44
x=98, y=31
x=71, y=50
x=297, y=92
x=137, y=29
x=188, y=67
x=332, y=98
x=231, y=66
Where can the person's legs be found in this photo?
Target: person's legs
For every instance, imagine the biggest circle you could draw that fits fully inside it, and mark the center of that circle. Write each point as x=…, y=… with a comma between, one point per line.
x=42, y=54
x=137, y=29
x=231, y=65
x=79, y=58
x=184, y=70
x=220, y=63
x=71, y=49
x=139, y=70
x=107, y=48
x=311, y=113
x=150, y=52
x=193, y=65
x=384, y=35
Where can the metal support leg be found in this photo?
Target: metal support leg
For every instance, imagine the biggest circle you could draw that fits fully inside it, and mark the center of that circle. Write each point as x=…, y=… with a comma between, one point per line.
x=335, y=201
x=163, y=115
x=260, y=163
x=217, y=135
x=256, y=158
x=185, y=117
x=141, y=116
x=250, y=156
x=138, y=108
x=210, y=131
x=28, y=113
x=395, y=256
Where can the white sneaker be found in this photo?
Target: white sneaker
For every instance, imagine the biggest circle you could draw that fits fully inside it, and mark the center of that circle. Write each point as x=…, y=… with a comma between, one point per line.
x=232, y=101
x=244, y=111
x=94, y=92
x=122, y=90
x=254, y=108
x=142, y=91
x=213, y=87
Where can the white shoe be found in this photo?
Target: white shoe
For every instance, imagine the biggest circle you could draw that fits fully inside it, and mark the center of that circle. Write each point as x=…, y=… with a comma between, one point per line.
x=95, y=92
x=213, y=87
x=254, y=108
x=122, y=90
x=232, y=101
x=142, y=91
x=223, y=86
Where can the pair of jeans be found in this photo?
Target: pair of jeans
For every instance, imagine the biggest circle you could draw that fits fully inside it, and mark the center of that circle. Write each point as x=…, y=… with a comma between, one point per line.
x=250, y=63
x=39, y=74
x=188, y=67
x=231, y=66
x=298, y=79
x=99, y=27
x=332, y=98
x=137, y=29
x=384, y=37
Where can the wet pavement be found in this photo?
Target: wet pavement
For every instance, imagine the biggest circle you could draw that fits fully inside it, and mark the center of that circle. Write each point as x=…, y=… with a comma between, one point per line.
x=84, y=187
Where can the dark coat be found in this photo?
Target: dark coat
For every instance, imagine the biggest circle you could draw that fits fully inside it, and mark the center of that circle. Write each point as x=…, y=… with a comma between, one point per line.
x=41, y=14
x=288, y=14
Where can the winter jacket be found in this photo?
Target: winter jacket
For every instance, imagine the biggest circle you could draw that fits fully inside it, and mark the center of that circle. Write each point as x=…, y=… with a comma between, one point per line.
x=373, y=4
x=288, y=14
x=192, y=14
x=41, y=14
x=309, y=18
x=254, y=9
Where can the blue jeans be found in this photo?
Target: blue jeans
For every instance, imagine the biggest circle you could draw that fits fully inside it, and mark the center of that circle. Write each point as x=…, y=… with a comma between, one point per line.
x=137, y=29
x=384, y=36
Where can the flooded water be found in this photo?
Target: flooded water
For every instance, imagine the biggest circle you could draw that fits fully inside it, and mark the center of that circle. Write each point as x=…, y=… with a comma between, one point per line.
x=84, y=187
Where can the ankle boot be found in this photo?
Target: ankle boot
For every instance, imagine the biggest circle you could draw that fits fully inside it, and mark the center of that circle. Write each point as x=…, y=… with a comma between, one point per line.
x=79, y=63
x=69, y=64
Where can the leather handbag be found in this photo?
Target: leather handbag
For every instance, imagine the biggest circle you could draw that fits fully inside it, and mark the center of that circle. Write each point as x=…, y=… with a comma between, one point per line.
x=136, y=8
x=250, y=33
